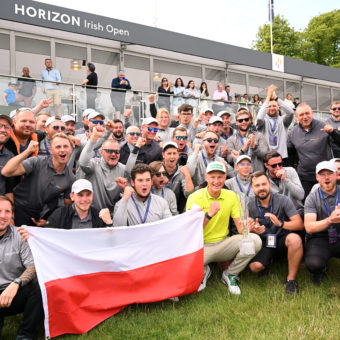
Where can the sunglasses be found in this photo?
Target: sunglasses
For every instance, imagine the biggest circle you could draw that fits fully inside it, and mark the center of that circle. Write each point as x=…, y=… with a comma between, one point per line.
x=57, y=128
x=160, y=173
x=210, y=140
x=134, y=133
x=181, y=137
x=336, y=108
x=111, y=151
x=243, y=120
x=96, y=121
x=151, y=129
x=275, y=165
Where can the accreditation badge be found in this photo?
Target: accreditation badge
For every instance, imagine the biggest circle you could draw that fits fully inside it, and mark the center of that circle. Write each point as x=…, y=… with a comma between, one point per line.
x=271, y=241
x=273, y=140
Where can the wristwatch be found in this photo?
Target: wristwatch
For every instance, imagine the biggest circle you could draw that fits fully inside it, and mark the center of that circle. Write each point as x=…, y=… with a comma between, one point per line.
x=18, y=281
x=208, y=216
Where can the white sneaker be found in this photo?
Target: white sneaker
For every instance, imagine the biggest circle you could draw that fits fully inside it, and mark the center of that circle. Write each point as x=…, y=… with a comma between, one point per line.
x=207, y=273
x=231, y=282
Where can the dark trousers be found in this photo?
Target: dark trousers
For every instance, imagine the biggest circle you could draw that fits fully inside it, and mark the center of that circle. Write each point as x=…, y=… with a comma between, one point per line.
x=307, y=186
x=27, y=301
x=318, y=252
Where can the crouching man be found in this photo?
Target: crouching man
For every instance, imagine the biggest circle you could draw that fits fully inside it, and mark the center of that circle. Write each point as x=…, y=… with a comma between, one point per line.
x=219, y=205
x=19, y=289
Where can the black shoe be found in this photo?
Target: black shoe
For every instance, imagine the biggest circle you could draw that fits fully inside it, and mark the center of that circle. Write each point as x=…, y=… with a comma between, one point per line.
x=317, y=278
x=292, y=287
x=264, y=272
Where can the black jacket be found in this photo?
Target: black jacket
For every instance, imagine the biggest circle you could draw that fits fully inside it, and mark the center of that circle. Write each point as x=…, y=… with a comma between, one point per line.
x=61, y=218
x=124, y=153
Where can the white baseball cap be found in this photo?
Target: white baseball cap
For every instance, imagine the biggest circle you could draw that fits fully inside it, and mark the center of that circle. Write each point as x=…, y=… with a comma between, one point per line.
x=241, y=157
x=170, y=144
x=87, y=112
x=80, y=185
x=51, y=120
x=325, y=165
x=215, y=119
x=149, y=120
x=67, y=118
x=225, y=112
x=216, y=166
x=94, y=114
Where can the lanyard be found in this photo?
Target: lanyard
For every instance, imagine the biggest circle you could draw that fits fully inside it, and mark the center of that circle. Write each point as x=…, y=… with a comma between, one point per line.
x=162, y=191
x=324, y=201
x=242, y=142
x=46, y=148
x=146, y=211
x=239, y=185
x=205, y=160
x=272, y=128
x=260, y=210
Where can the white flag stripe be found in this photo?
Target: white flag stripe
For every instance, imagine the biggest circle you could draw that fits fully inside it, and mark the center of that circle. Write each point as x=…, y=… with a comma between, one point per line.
x=114, y=249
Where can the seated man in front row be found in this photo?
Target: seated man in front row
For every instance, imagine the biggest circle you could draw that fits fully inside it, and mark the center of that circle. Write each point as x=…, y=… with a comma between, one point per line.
x=19, y=289
x=274, y=218
x=322, y=221
x=219, y=205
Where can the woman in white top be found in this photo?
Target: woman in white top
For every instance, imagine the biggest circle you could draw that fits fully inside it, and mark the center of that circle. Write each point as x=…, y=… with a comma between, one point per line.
x=178, y=95
x=192, y=96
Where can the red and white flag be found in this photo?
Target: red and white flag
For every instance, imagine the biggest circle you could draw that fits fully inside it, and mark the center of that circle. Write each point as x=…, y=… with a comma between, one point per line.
x=88, y=275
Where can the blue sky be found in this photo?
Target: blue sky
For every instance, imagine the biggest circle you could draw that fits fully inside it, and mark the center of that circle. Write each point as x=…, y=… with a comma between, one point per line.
x=232, y=22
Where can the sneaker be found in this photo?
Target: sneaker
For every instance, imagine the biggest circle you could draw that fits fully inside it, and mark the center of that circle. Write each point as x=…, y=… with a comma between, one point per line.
x=174, y=299
x=231, y=281
x=207, y=273
x=292, y=287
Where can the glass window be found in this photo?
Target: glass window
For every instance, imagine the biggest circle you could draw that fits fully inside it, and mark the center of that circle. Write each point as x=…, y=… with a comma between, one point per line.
x=213, y=77
x=293, y=88
x=309, y=95
x=324, y=95
x=32, y=54
x=4, y=53
x=137, y=71
x=237, y=82
x=257, y=85
x=336, y=95
x=106, y=63
x=167, y=67
x=64, y=55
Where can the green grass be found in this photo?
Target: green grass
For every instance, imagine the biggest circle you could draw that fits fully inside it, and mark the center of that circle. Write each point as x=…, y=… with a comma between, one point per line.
x=262, y=311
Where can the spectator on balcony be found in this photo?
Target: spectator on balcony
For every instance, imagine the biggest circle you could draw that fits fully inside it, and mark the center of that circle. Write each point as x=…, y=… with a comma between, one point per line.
x=227, y=90
x=178, y=100
x=222, y=98
x=51, y=88
x=192, y=93
x=90, y=81
x=166, y=88
x=27, y=88
x=119, y=86
x=9, y=95
x=204, y=96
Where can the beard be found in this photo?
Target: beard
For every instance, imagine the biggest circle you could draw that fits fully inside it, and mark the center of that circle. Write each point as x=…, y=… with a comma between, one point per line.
x=266, y=194
x=117, y=135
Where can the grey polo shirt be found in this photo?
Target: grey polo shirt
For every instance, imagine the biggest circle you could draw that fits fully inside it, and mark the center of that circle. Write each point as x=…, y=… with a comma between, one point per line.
x=126, y=213
x=232, y=184
x=106, y=192
x=315, y=205
x=84, y=223
x=197, y=165
x=6, y=184
x=42, y=184
x=165, y=135
x=312, y=147
x=15, y=256
x=282, y=207
x=177, y=183
x=169, y=196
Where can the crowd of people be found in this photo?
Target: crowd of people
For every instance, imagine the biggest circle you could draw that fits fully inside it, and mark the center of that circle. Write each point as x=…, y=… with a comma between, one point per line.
x=110, y=173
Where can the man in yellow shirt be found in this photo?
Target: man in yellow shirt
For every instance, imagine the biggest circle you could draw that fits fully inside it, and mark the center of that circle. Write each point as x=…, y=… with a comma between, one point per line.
x=219, y=205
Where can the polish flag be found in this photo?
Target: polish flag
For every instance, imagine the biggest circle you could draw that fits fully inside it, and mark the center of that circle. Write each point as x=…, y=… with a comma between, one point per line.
x=88, y=275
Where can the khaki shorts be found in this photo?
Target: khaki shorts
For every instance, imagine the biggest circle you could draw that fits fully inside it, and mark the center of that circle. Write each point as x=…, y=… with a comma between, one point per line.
x=55, y=94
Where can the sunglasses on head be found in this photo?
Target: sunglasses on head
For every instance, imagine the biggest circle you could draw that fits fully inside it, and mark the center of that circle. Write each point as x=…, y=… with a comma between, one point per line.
x=111, y=151
x=21, y=109
x=151, y=129
x=56, y=128
x=336, y=108
x=275, y=165
x=181, y=137
x=210, y=140
x=134, y=133
x=160, y=173
x=241, y=120
x=96, y=121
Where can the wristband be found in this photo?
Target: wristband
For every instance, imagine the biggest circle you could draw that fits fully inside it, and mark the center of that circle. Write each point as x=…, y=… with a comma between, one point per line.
x=276, y=99
x=208, y=216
